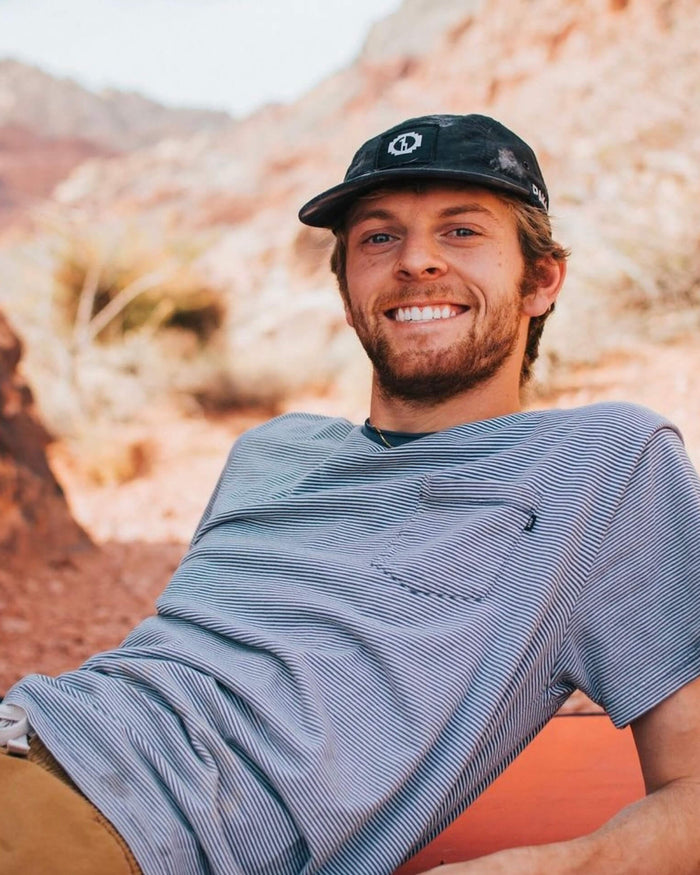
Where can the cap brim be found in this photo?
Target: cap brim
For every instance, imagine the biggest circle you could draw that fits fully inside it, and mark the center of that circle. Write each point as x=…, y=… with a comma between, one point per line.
x=327, y=209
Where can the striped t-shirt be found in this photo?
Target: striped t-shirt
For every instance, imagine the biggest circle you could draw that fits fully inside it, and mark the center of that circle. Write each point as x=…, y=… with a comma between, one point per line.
x=360, y=638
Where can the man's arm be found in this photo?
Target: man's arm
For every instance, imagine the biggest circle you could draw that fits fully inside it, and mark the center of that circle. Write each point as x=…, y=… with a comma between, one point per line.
x=659, y=835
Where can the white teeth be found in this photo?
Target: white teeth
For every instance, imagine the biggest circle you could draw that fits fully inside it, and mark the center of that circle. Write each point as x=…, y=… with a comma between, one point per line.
x=423, y=314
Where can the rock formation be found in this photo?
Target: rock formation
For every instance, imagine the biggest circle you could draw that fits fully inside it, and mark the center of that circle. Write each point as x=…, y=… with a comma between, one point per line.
x=58, y=108
x=49, y=125
x=34, y=518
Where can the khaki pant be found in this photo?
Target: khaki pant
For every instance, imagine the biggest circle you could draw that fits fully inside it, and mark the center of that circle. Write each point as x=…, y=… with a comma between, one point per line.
x=47, y=827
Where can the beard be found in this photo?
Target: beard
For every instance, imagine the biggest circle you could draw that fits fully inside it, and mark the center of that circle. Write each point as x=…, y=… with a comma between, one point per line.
x=430, y=375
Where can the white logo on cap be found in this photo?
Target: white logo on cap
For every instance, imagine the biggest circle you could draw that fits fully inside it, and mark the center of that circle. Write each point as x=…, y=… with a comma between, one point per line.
x=540, y=195
x=406, y=143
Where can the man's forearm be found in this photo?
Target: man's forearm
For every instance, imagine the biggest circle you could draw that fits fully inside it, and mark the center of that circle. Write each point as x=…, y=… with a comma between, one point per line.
x=659, y=835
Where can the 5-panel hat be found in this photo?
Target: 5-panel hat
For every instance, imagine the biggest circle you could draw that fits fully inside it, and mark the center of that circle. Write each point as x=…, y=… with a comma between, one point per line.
x=461, y=148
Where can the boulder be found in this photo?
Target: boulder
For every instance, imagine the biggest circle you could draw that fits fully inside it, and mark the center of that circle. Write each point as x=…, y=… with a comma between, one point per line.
x=35, y=520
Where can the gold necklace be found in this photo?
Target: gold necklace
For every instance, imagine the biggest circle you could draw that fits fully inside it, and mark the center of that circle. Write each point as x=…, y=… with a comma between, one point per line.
x=379, y=432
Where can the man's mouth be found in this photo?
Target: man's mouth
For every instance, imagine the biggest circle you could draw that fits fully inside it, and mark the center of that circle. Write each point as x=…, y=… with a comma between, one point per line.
x=425, y=314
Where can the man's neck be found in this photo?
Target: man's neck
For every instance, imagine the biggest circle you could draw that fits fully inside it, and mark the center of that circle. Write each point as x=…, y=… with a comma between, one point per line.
x=486, y=401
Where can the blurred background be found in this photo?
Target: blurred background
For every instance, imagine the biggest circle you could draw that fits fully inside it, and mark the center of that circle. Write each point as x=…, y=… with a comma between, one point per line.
x=158, y=295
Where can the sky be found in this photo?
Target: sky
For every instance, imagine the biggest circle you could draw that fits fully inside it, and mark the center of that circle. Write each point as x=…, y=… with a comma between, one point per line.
x=219, y=54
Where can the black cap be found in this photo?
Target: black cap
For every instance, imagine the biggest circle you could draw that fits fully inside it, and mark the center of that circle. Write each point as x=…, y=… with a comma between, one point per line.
x=462, y=148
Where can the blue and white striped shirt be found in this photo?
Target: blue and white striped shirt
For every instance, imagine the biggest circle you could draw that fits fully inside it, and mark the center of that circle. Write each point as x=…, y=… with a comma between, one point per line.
x=360, y=639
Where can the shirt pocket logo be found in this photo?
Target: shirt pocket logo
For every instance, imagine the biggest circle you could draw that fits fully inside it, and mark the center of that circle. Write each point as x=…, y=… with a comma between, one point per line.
x=457, y=542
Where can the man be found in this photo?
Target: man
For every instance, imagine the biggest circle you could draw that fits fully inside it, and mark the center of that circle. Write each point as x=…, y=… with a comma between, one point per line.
x=371, y=622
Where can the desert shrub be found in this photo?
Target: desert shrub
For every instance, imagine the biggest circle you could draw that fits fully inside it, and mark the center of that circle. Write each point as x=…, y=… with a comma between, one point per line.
x=120, y=321
x=103, y=294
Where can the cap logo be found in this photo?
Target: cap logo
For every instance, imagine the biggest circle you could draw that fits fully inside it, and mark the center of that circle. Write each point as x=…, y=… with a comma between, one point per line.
x=539, y=194
x=411, y=146
x=406, y=143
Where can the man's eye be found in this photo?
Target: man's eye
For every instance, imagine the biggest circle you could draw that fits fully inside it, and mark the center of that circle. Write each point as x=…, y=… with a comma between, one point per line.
x=463, y=232
x=378, y=238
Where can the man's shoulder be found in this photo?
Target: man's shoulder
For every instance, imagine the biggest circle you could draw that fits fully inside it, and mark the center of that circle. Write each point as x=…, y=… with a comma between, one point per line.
x=610, y=421
x=609, y=437
x=301, y=427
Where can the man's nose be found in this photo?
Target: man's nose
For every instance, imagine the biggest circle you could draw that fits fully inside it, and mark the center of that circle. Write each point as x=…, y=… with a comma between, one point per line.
x=419, y=257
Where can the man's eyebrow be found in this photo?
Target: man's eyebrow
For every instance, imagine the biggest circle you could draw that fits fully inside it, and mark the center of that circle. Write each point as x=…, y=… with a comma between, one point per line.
x=363, y=214
x=460, y=209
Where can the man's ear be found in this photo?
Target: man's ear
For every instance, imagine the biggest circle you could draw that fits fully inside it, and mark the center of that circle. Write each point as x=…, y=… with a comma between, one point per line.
x=549, y=278
x=348, y=315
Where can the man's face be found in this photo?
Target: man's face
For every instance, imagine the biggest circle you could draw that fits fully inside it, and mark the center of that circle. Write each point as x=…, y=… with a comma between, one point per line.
x=435, y=283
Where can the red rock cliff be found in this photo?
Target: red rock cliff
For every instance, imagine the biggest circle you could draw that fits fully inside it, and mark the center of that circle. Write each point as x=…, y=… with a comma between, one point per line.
x=34, y=516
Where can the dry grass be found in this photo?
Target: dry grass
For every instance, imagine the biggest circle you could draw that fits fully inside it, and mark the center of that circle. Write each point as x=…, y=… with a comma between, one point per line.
x=116, y=319
x=106, y=288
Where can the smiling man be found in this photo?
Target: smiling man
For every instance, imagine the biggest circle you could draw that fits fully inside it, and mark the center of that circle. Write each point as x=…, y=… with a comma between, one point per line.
x=442, y=297
x=372, y=621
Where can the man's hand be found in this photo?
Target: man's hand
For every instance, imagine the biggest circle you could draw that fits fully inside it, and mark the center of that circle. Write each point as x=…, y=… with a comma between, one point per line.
x=659, y=835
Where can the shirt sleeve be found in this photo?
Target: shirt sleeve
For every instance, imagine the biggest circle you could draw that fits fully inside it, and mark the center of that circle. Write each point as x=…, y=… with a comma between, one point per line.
x=206, y=514
x=634, y=638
